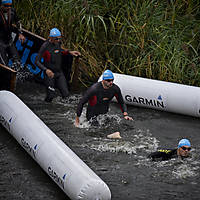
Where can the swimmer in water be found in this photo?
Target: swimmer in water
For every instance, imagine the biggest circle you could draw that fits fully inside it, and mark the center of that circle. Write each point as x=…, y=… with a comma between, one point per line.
x=182, y=151
x=99, y=96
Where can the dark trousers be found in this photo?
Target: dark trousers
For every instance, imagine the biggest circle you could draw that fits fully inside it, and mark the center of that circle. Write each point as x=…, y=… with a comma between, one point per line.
x=8, y=51
x=58, y=81
x=67, y=61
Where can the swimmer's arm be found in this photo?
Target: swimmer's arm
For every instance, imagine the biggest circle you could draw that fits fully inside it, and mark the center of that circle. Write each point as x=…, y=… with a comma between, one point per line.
x=123, y=106
x=39, y=57
x=84, y=100
x=77, y=121
x=157, y=156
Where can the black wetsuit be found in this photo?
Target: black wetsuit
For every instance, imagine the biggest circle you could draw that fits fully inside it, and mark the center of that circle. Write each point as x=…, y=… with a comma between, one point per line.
x=163, y=154
x=7, y=48
x=53, y=60
x=98, y=100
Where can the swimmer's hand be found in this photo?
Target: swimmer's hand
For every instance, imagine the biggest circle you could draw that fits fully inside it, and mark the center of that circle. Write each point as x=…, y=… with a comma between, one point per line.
x=127, y=117
x=77, y=121
x=75, y=53
x=49, y=73
x=115, y=135
x=22, y=38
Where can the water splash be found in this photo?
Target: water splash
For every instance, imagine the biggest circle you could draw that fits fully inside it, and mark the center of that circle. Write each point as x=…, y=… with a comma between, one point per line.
x=175, y=171
x=115, y=146
x=145, y=141
x=70, y=101
x=107, y=120
x=23, y=74
x=185, y=171
x=140, y=142
x=103, y=121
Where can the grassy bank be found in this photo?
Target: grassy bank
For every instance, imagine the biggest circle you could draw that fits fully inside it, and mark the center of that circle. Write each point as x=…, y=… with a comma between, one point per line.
x=153, y=39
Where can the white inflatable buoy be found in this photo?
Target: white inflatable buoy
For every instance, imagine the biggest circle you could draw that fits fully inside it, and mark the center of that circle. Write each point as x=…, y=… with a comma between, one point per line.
x=70, y=173
x=161, y=95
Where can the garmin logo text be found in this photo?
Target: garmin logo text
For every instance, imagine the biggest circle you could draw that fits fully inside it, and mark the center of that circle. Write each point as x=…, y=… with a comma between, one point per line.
x=28, y=148
x=4, y=123
x=145, y=101
x=58, y=180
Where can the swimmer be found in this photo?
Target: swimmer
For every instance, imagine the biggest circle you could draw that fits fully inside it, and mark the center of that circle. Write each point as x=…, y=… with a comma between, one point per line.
x=182, y=151
x=99, y=96
x=55, y=76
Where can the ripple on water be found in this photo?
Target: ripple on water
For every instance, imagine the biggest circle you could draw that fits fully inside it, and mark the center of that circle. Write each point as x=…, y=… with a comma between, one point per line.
x=185, y=171
x=103, y=121
x=142, y=141
x=70, y=101
x=175, y=171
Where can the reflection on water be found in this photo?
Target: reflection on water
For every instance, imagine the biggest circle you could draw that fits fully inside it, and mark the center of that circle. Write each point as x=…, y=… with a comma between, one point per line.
x=121, y=163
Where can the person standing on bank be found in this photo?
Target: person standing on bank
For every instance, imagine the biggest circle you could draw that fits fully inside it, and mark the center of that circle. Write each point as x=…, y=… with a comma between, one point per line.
x=8, y=17
x=99, y=96
x=53, y=56
x=182, y=151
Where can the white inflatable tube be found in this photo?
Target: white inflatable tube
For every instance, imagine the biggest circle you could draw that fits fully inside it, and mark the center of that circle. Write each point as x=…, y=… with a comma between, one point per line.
x=71, y=174
x=161, y=95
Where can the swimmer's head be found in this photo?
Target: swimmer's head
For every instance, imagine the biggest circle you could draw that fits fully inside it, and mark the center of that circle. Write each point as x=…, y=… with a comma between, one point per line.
x=108, y=75
x=6, y=2
x=108, y=79
x=184, y=142
x=54, y=32
x=55, y=36
x=184, y=147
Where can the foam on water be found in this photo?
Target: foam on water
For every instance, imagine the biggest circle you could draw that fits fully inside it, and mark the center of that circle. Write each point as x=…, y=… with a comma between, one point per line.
x=70, y=101
x=139, y=146
x=23, y=74
x=104, y=121
x=184, y=171
x=142, y=141
x=115, y=147
x=176, y=170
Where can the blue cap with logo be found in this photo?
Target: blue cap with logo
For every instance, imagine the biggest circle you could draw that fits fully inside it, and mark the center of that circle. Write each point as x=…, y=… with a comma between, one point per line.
x=6, y=2
x=184, y=142
x=108, y=75
x=54, y=32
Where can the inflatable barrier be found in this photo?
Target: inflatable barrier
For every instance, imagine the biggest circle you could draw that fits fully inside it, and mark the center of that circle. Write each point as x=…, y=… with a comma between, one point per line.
x=70, y=173
x=160, y=95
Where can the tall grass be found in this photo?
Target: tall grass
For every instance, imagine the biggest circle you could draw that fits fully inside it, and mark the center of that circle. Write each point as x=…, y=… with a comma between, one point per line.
x=153, y=39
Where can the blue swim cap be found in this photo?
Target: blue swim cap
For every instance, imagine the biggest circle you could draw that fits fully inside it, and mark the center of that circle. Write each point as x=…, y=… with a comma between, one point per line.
x=54, y=32
x=108, y=75
x=184, y=142
x=6, y=1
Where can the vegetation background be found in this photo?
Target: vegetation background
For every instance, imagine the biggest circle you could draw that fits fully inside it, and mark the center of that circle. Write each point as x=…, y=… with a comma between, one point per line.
x=157, y=39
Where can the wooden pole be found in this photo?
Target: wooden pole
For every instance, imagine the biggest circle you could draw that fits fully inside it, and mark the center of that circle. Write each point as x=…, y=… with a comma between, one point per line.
x=7, y=78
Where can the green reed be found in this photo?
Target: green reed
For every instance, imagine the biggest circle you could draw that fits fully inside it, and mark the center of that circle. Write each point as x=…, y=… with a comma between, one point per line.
x=153, y=39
